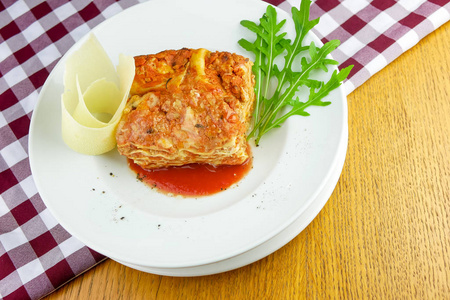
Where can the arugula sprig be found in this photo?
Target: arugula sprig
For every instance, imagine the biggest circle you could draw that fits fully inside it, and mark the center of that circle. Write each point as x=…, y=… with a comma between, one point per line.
x=269, y=44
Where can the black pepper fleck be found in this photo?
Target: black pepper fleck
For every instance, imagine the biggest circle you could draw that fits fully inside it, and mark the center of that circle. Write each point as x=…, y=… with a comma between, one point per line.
x=138, y=177
x=168, y=81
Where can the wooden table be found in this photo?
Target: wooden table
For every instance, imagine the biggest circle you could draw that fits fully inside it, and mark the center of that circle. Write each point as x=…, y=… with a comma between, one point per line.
x=385, y=231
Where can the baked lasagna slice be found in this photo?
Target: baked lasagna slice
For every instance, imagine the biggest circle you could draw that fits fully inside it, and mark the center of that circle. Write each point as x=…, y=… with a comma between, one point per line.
x=188, y=106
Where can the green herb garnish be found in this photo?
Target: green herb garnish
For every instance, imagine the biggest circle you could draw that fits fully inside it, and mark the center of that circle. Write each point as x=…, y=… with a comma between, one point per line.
x=271, y=43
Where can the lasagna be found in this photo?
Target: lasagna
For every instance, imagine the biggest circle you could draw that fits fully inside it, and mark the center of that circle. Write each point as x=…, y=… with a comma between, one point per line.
x=188, y=106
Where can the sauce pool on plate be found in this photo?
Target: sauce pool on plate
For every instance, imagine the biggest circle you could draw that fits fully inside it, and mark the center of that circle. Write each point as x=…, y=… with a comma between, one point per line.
x=193, y=179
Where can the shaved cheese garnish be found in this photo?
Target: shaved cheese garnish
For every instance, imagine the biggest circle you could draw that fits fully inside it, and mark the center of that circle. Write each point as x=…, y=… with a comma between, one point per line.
x=95, y=94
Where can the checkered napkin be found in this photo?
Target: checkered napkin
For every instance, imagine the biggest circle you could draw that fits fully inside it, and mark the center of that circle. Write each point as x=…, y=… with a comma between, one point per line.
x=36, y=254
x=374, y=33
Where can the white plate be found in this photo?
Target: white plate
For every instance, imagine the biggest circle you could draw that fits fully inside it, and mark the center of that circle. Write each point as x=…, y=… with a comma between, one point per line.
x=120, y=217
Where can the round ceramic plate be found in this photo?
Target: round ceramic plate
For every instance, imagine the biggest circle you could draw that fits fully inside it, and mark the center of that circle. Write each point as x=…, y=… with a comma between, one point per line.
x=99, y=200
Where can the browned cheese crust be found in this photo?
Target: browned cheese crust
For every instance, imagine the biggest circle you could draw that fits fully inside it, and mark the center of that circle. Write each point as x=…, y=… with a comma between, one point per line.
x=188, y=106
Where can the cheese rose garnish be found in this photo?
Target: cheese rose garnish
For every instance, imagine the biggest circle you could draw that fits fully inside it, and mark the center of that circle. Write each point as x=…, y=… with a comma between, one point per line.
x=95, y=93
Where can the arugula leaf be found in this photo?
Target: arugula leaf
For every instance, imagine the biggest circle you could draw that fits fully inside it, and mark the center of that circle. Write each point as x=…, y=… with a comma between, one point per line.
x=269, y=44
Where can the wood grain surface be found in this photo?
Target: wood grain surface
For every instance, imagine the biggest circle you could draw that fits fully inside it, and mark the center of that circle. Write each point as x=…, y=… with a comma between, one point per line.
x=385, y=231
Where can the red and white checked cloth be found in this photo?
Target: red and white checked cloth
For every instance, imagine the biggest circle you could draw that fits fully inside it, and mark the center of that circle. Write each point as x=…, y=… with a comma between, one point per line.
x=36, y=254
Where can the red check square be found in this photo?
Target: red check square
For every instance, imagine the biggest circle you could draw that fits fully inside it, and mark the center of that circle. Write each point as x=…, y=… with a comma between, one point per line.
x=57, y=32
x=43, y=243
x=39, y=78
x=41, y=10
x=6, y=266
x=89, y=12
x=7, y=180
x=60, y=273
x=20, y=293
x=383, y=4
x=381, y=43
x=9, y=30
x=412, y=20
x=20, y=126
x=353, y=24
x=24, y=212
x=24, y=54
x=327, y=5
x=356, y=65
x=7, y=99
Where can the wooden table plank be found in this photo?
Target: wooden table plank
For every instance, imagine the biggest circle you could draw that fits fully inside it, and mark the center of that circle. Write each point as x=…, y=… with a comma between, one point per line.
x=384, y=233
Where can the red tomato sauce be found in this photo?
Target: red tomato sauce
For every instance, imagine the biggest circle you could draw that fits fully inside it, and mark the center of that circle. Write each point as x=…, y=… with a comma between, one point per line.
x=193, y=179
